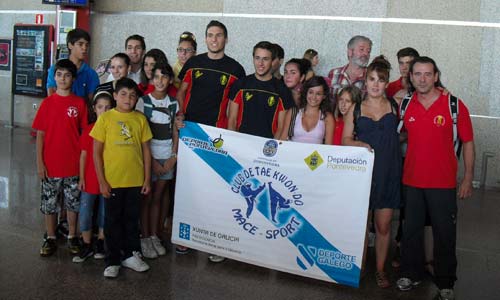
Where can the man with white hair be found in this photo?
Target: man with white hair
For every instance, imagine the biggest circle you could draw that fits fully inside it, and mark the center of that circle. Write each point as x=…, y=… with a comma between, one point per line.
x=358, y=53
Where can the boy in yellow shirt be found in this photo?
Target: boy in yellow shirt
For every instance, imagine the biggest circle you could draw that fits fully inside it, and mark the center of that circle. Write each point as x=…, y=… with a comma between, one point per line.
x=122, y=158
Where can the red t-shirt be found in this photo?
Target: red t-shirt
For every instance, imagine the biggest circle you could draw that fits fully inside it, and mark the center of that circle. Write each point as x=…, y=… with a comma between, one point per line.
x=146, y=90
x=62, y=118
x=87, y=144
x=430, y=159
x=394, y=87
x=337, y=132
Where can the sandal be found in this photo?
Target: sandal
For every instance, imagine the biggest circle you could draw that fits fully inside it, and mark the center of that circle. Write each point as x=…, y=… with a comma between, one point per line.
x=382, y=280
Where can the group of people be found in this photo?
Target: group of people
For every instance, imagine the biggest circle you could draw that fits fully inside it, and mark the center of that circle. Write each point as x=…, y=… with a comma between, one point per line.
x=121, y=137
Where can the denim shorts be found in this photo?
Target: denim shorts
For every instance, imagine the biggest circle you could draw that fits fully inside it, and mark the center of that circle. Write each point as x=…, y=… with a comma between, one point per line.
x=167, y=176
x=87, y=209
x=52, y=187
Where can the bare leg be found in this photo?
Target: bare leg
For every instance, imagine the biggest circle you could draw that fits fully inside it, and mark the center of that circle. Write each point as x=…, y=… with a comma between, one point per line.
x=50, y=223
x=101, y=234
x=72, y=218
x=164, y=208
x=87, y=236
x=383, y=219
x=154, y=208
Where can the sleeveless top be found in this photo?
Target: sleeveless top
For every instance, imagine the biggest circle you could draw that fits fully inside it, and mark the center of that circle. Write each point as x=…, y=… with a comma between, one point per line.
x=315, y=136
x=383, y=137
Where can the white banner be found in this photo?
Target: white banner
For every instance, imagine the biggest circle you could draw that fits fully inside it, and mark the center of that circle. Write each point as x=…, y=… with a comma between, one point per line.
x=293, y=207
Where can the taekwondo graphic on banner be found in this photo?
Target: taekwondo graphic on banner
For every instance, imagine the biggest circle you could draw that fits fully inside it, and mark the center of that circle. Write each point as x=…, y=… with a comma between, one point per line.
x=294, y=207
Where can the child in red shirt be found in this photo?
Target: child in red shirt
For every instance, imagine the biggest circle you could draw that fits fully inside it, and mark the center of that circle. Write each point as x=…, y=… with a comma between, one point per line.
x=347, y=97
x=58, y=123
x=89, y=185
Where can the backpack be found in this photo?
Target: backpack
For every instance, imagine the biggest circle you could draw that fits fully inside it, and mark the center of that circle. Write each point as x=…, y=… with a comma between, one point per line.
x=160, y=131
x=453, y=105
x=295, y=111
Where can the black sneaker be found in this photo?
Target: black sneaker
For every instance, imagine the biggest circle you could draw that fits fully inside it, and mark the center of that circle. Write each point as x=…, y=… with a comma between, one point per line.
x=406, y=284
x=62, y=229
x=446, y=294
x=86, y=252
x=99, y=249
x=74, y=245
x=48, y=248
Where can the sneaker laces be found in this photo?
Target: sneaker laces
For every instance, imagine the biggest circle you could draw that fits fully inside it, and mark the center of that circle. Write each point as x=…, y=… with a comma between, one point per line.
x=156, y=242
x=139, y=257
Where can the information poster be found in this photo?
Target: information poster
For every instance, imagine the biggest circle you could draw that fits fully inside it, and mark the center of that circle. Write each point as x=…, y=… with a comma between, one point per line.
x=31, y=59
x=294, y=207
x=5, y=54
x=67, y=2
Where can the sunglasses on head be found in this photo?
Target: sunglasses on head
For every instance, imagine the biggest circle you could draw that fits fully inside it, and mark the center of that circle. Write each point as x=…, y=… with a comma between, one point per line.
x=187, y=35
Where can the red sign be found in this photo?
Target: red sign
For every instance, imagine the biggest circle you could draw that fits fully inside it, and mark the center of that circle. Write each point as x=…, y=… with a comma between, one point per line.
x=39, y=19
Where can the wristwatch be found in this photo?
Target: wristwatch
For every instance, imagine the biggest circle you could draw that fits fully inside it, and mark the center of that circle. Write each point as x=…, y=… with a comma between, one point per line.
x=174, y=155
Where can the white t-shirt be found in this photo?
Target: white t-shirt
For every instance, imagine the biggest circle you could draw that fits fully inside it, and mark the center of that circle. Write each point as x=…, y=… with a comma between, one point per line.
x=135, y=76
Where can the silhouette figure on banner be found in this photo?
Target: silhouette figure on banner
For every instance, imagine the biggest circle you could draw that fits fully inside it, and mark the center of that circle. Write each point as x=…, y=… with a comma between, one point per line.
x=250, y=195
x=277, y=202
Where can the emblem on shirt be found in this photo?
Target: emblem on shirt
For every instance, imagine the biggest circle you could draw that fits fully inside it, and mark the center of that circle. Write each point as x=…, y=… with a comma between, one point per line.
x=271, y=100
x=439, y=120
x=125, y=131
x=223, y=79
x=198, y=74
x=248, y=96
x=72, y=112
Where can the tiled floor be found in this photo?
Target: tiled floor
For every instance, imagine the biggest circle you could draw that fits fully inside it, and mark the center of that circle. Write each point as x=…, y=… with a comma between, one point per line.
x=25, y=275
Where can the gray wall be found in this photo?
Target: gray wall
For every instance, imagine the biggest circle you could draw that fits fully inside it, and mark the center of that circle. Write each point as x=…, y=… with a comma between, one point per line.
x=466, y=53
x=13, y=12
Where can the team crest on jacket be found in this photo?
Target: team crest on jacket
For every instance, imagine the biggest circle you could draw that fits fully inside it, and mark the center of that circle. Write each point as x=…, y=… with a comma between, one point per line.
x=439, y=120
x=223, y=79
x=198, y=74
x=248, y=96
x=72, y=112
x=271, y=100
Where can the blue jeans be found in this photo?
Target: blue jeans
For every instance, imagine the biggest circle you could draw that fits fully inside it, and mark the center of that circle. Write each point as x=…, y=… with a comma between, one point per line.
x=87, y=209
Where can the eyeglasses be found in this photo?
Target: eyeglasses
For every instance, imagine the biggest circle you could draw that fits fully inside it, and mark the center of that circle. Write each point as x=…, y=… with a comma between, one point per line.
x=185, y=50
x=187, y=35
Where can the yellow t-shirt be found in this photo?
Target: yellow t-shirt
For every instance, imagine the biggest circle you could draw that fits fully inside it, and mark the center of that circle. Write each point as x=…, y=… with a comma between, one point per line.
x=122, y=135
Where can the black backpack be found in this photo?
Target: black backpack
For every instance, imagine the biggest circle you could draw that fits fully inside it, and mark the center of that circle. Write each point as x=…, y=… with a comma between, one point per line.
x=453, y=105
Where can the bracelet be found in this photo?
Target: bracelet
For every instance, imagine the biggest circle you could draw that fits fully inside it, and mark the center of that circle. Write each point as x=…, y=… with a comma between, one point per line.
x=174, y=155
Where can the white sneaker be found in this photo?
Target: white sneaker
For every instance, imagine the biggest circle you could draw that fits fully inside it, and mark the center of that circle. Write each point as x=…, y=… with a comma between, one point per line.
x=135, y=263
x=446, y=294
x=216, y=258
x=111, y=271
x=157, y=246
x=147, y=248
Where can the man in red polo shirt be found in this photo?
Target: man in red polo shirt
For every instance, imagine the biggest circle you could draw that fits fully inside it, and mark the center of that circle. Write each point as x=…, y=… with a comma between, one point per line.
x=429, y=173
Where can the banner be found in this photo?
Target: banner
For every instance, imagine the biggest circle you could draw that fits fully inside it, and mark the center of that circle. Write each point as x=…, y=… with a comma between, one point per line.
x=294, y=207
